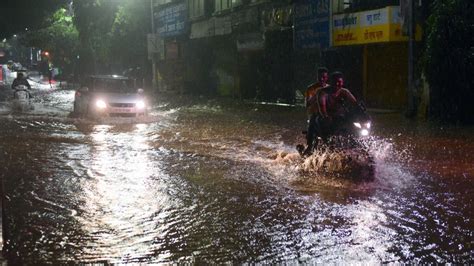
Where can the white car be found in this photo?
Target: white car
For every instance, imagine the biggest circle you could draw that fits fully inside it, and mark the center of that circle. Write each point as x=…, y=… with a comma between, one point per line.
x=109, y=96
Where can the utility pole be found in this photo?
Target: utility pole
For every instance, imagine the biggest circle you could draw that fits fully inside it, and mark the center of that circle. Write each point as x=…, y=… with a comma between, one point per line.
x=153, y=62
x=411, y=112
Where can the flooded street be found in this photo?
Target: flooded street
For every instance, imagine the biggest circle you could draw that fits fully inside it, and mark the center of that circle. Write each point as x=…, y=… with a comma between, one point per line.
x=217, y=182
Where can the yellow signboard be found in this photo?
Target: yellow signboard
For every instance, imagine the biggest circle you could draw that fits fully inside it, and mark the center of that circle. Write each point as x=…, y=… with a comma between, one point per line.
x=374, y=26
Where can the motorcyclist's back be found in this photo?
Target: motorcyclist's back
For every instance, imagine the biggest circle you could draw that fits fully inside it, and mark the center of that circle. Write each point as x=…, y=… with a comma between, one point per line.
x=20, y=80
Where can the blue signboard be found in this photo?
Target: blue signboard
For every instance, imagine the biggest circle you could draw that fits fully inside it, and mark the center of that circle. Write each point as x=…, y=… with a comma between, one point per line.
x=171, y=20
x=311, y=24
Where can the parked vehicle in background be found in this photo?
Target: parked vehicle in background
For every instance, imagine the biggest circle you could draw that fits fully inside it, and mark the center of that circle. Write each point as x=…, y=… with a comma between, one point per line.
x=109, y=96
x=18, y=67
x=2, y=74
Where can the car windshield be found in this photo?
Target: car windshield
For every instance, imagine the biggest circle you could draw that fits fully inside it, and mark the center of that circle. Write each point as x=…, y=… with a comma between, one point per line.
x=113, y=85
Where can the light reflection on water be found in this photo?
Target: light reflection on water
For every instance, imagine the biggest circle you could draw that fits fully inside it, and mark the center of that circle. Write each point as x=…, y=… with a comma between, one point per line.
x=203, y=185
x=121, y=193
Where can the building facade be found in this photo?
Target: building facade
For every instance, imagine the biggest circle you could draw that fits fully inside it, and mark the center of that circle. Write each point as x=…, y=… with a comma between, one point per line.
x=266, y=50
x=370, y=47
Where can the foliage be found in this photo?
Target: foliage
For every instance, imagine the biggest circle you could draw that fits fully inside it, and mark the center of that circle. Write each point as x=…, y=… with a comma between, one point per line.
x=449, y=60
x=128, y=34
x=104, y=35
x=60, y=39
x=112, y=33
x=94, y=19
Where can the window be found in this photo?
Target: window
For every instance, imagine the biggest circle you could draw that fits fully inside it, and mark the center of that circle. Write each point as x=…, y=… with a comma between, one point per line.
x=161, y=2
x=196, y=8
x=221, y=5
x=113, y=85
x=236, y=3
x=341, y=6
x=258, y=1
x=225, y=4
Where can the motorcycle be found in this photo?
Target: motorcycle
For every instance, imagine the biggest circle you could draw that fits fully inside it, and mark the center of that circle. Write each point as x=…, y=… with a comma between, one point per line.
x=22, y=99
x=354, y=124
x=342, y=139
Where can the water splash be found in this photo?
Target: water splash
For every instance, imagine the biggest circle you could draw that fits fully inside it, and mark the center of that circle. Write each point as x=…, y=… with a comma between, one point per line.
x=376, y=159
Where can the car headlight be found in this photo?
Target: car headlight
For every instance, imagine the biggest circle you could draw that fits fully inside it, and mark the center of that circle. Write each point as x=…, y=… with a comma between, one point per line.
x=368, y=125
x=140, y=104
x=364, y=132
x=357, y=125
x=100, y=104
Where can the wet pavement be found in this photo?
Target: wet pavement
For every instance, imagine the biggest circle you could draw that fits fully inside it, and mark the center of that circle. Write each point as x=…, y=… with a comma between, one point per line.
x=214, y=181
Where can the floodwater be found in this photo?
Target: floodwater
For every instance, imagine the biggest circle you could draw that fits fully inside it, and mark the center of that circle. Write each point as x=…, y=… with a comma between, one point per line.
x=218, y=182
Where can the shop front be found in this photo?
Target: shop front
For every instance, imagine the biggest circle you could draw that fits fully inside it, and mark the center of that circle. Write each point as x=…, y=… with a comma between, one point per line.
x=172, y=27
x=376, y=52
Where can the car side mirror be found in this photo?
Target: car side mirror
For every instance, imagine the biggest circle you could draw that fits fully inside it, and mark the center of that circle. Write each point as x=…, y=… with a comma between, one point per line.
x=140, y=91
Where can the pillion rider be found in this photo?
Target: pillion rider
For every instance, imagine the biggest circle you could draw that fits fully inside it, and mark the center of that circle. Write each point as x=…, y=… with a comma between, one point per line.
x=333, y=103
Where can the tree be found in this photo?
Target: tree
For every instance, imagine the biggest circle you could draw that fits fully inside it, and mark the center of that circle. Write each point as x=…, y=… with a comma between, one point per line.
x=449, y=60
x=94, y=20
x=128, y=34
x=112, y=33
x=60, y=39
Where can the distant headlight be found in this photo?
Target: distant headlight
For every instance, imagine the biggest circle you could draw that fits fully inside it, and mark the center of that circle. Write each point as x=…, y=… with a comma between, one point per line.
x=100, y=104
x=140, y=104
x=357, y=125
x=368, y=125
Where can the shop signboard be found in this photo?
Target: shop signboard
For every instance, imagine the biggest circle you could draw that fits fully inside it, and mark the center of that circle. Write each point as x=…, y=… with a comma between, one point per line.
x=245, y=17
x=222, y=25
x=171, y=20
x=311, y=22
x=374, y=26
x=214, y=26
x=202, y=29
